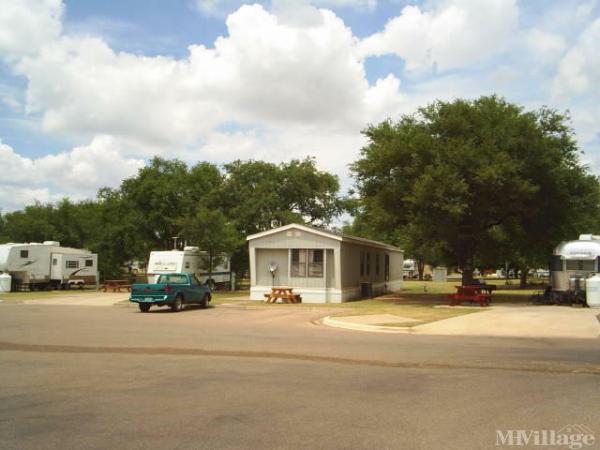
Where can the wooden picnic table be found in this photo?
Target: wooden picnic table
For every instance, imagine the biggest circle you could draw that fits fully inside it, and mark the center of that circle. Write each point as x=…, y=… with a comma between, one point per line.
x=286, y=294
x=116, y=285
x=472, y=294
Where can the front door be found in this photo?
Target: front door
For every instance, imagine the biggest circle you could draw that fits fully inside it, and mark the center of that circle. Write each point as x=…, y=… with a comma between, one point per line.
x=56, y=264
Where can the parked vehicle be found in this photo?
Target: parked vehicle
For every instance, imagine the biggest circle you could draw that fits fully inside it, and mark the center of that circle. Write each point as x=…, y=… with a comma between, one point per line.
x=190, y=260
x=572, y=264
x=409, y=269
x=47, y=265
x=174, y=290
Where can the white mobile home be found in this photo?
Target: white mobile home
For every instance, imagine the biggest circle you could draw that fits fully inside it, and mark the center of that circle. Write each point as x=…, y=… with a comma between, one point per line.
x=322, y=266
x=48, y=264
x=189, y=260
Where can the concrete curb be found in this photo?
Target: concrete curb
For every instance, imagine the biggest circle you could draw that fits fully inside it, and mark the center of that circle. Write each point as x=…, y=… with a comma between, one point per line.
x=337, y=323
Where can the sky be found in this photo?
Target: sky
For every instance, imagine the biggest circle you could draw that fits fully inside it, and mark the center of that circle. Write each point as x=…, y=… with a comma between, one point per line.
x=91, y=90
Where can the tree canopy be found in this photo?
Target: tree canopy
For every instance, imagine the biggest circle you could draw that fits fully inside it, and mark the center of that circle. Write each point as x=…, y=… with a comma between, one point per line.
x=206, y=205
x=476, y=182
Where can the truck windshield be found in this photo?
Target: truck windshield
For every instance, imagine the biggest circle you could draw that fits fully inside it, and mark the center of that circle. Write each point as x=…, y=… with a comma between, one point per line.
x=172, y=279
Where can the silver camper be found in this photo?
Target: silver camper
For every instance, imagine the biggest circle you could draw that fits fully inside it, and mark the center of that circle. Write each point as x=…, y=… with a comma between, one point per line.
x=47, y=265
x=573, y=262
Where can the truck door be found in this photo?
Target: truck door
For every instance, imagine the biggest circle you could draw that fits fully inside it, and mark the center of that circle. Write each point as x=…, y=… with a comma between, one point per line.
x=56, y=267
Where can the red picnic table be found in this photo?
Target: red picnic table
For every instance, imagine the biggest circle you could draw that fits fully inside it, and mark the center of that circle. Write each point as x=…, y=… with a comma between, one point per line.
x=475, y=293
x=116, y=285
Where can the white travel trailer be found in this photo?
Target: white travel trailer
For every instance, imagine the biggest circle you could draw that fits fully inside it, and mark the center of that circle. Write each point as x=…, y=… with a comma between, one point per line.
x=189, y=260
x=573, y=262
x=47, y=265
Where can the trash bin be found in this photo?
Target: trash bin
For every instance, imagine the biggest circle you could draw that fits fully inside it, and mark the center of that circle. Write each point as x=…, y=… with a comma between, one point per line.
x=366, y=290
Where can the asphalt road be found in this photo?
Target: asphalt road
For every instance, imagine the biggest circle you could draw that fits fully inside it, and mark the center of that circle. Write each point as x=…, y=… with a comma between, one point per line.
x=78, y=377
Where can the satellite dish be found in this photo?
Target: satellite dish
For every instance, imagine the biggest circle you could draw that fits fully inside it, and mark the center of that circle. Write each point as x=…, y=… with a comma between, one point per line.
x=272, y=267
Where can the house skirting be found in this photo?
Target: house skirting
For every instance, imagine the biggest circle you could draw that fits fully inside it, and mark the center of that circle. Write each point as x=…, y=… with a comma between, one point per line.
x=329, y=295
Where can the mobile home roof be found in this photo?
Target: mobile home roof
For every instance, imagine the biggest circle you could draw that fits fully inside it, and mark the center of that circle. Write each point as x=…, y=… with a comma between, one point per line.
x=326, y=233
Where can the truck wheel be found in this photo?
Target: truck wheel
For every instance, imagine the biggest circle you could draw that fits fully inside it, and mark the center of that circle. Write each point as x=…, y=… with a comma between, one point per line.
x=205, y=300
x=144, y=307
x=177, y=304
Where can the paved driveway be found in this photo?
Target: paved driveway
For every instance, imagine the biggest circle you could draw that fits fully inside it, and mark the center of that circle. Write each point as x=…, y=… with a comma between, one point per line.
x=233, y=378
x=80, y=299
x=521, y=321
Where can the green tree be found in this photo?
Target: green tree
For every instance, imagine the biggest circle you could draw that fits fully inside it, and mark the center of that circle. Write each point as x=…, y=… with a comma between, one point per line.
x=467, y=176
x=34, y=224
x=211, y=232
x=254, y=193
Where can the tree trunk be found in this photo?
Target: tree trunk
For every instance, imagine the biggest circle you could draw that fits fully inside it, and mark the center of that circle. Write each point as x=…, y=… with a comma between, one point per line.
x=467, y=276
x=523, y=283
x=420, y=268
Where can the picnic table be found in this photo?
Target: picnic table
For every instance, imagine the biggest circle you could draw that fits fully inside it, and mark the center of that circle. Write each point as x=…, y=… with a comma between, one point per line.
x=116, y=285
x=473, y=293
x=286, y=294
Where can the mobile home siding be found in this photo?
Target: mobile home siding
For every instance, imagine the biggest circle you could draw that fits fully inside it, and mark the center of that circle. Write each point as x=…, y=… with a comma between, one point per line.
x=264, y=257
x=341, y=266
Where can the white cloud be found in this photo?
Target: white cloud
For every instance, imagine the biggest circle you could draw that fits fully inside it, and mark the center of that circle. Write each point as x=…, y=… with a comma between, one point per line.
x=453, y=34
x=77, y=173
x=218, y=8
x=286, y=80
x=547, y=47
x=26, y=25
x=579, y=69
x=265, y=71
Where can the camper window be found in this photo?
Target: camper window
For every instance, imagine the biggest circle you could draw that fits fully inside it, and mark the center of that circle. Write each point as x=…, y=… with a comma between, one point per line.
x=72, y=264
x=54, y=261
x=89, y=262
x=556, y=263
x=24, y=253
x=315, y=263
x=368, y=264
x=377, y=264
x=588, y=265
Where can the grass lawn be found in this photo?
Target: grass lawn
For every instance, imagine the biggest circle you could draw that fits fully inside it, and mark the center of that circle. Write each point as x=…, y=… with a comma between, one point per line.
x=419, y=300
x=8, y=296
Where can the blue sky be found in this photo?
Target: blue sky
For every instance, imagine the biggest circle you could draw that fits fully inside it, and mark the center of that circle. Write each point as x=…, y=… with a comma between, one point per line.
x=90, y=90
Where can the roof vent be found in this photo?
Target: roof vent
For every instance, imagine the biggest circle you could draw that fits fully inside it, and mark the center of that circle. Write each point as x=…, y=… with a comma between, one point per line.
x=588, y=237
x=54, y=243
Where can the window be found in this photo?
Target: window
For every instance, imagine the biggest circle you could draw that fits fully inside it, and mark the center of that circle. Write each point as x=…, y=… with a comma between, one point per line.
x=54, y=261
x=588, y=265
x=307, y=263
x=368, y=264
x=315, y=263
x=187, y=264
x=377, y=264
x=298, y=262
x=172, y=279
x=387, y=268
x=89, y=263
x=556, y=263
x=72, y=264
x=24, y=253
x=362, y=263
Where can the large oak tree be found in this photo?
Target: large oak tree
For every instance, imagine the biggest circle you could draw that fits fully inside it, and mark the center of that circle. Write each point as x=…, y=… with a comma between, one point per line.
x=478, y=182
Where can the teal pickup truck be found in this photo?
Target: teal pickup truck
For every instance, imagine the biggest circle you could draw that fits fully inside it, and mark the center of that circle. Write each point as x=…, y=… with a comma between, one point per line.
x=174, y=289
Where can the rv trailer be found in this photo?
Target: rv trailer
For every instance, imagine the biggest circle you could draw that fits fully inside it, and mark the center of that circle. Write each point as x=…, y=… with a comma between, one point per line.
x=189, y=260
x=572, y=264
x=47, y=265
